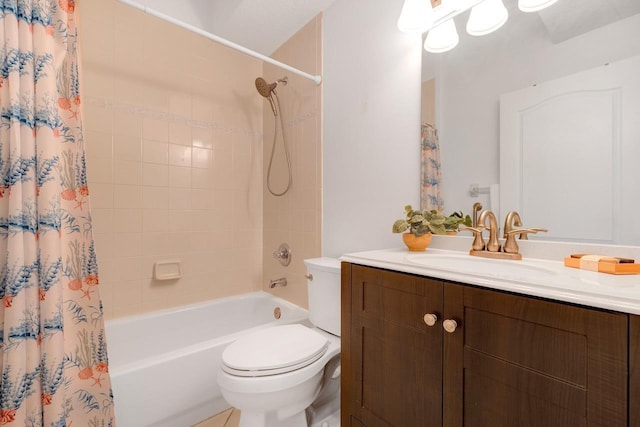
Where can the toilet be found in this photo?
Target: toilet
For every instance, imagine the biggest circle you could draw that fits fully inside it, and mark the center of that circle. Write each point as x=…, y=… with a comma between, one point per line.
x=289, y=375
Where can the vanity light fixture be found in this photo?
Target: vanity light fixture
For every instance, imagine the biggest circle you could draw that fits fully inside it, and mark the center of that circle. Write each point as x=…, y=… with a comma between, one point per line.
x=442, y=38
x=487, y=17
x=416, y=16
x=534, y=5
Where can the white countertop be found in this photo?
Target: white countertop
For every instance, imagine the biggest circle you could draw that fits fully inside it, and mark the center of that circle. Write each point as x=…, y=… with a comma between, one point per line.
x=539, y=277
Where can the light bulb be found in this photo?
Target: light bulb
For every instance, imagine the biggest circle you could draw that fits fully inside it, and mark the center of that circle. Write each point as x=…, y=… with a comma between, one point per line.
x=486, y=17
x=442, y=38
x=416, y=16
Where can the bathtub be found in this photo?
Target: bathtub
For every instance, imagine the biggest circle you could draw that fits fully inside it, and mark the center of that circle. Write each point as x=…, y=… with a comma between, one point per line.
x=163, y=364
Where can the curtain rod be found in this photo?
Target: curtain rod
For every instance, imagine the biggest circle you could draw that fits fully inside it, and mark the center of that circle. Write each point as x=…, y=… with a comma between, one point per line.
x=317, y=79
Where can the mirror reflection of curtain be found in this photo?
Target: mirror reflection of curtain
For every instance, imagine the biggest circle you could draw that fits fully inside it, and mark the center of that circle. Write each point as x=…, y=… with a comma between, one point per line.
x=430, y=170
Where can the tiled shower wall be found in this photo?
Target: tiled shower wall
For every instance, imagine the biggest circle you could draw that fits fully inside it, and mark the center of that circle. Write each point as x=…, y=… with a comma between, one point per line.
x=173, y=131
x=295, y=218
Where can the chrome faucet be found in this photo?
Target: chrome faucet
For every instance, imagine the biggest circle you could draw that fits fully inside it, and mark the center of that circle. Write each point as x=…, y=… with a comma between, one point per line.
x=277, y=282
x=478, y=247
x=476, y=228
x=493, y=249
x=510, y=244
x=477, y=207
x=478, y=241
x=493, y=245
x=510, y=222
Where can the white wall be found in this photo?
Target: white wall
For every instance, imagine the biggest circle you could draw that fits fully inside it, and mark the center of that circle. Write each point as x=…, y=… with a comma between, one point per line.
x=371, y=124
x=469, y=85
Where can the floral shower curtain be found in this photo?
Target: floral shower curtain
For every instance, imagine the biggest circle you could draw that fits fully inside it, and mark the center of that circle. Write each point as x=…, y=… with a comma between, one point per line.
x=430, y=170
x=52, y=343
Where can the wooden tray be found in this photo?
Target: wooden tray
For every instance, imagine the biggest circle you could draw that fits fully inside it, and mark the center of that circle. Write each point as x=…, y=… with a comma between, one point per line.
x=604, y=266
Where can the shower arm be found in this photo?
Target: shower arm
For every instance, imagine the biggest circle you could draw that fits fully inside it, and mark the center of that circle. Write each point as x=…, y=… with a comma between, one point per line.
x=317, y=79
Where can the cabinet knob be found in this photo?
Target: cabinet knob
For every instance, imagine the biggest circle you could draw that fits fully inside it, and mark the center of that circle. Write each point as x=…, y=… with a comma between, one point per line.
x=430, y=319
x=450, y=325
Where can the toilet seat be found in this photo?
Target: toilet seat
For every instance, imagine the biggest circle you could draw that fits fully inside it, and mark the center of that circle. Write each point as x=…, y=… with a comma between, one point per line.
x=274, y=351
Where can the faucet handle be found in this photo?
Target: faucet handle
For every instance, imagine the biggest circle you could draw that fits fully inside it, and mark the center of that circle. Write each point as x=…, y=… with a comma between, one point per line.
x=534, y=230
x=523, y=232
x=510, y=245
x=539, y=230
x=283, y=254
x=478, y=242
x=477, y=229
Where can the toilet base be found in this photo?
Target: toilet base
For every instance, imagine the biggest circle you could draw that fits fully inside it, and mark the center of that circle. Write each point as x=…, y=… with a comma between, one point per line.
x=284, y=408
x=328, y=401
x=332, y=420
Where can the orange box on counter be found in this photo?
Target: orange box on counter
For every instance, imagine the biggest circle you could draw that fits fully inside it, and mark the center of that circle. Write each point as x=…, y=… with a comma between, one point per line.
x=602, y=264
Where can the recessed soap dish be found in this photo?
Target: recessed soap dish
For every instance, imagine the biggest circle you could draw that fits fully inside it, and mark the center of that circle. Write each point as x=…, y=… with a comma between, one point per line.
x=169, y=269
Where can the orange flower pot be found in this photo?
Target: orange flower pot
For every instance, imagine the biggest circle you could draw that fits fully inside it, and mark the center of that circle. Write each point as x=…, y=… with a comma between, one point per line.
x=416, y=244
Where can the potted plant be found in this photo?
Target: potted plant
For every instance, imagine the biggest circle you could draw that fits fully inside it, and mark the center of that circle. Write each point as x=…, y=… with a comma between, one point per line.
x=418, y=226
x=452, y=222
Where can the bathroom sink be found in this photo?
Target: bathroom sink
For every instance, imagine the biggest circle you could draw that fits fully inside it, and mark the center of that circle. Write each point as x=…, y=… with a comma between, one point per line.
x=486, y=267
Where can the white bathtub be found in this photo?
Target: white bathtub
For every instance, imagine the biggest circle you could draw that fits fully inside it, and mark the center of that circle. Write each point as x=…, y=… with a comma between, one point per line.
x=163, y=364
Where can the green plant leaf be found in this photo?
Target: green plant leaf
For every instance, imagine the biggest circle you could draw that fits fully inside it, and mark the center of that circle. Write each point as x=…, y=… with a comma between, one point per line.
x=416, y=219
x=437, y=229
x=437, y=221
x=400, y=226
x=420, y=222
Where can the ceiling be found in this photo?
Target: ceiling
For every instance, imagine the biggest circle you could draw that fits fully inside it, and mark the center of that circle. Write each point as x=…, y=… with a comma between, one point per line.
x=260, y=25
x=264, y=25
x=562, y=21
x=570, y=18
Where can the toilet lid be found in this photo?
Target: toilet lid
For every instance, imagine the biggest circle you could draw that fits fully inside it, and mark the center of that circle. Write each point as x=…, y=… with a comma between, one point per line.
x=274, y=351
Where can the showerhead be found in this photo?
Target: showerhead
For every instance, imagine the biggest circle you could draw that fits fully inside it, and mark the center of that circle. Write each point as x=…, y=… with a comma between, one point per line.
x=265, y=88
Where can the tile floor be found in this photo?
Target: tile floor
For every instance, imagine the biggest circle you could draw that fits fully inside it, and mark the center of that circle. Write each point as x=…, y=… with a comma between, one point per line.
x=228, y=418
x=231, y=418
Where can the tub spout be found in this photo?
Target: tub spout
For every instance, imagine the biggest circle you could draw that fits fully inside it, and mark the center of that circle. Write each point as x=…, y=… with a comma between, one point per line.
x=277, y=282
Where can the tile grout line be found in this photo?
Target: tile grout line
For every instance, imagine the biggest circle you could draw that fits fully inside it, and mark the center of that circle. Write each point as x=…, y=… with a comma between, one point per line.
x=228, y=417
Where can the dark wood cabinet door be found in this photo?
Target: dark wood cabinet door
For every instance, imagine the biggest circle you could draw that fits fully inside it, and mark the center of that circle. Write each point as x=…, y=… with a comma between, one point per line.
x=393, y=375
x=529, y=363
x=512, y=361
x=634, y=371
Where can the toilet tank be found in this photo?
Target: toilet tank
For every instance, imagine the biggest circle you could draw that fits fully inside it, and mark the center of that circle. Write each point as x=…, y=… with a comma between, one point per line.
x=324, y=293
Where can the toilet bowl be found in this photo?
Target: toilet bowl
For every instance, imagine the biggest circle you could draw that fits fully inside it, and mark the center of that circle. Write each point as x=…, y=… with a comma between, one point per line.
x=288, y=376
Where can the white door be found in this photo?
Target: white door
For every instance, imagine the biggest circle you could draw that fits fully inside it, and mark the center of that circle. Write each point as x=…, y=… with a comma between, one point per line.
x=570, y=155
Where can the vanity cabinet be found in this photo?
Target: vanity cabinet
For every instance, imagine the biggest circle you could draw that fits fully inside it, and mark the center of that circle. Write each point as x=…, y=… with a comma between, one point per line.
x=634, y=371
x=504, y=360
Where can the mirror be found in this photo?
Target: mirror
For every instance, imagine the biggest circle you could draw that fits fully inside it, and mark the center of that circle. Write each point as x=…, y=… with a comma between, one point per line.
x=577, y=135
x=531, y=48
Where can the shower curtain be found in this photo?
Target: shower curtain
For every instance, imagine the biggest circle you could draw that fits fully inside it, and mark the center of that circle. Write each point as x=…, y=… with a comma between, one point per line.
x=52, y=343
x=430, y=170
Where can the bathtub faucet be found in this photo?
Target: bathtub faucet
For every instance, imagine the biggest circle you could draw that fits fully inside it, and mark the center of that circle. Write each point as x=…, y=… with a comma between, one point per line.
x=278, y=282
